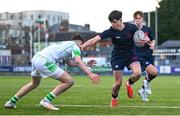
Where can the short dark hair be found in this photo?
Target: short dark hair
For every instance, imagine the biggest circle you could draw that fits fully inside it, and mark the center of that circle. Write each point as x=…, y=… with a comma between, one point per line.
x=140, y=13
x=115, y=15
x=77, y=36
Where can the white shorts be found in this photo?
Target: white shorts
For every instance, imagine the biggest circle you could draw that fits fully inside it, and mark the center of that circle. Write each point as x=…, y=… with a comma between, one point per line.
x=42, y=67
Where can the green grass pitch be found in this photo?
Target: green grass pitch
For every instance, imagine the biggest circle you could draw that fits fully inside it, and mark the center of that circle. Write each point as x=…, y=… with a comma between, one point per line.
x=84, y=98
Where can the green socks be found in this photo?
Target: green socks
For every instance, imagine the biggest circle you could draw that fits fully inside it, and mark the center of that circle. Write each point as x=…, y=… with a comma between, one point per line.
x=50, y=97
x=14, y=99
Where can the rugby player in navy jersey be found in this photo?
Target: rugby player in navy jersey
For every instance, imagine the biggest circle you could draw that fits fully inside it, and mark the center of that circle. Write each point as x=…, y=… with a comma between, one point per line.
x=121, y=35
x=145, y=57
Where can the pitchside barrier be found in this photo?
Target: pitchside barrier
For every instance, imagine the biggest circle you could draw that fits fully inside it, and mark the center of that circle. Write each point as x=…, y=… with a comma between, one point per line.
x=169, y=70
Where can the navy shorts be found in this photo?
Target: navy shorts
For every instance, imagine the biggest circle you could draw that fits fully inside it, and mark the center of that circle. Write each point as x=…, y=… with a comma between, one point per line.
x=145, y=61
x=120, y=61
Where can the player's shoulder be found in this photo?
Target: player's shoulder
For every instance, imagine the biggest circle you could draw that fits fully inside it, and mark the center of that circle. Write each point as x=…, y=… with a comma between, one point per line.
x=66, y=44
x=146, y=28
x=131, y=26
x=69, y=43
x=106, y=31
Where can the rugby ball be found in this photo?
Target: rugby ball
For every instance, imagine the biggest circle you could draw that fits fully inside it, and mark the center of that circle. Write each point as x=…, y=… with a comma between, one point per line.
x=138, y=35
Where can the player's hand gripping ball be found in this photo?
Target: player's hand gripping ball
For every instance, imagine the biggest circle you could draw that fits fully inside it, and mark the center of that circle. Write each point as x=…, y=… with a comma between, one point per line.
x=140, y=38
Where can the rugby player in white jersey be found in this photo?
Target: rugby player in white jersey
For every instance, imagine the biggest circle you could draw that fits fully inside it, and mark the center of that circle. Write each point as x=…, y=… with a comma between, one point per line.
x=44, y=65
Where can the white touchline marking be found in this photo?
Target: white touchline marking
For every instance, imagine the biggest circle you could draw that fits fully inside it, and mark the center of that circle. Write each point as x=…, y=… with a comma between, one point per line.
x=106, y=106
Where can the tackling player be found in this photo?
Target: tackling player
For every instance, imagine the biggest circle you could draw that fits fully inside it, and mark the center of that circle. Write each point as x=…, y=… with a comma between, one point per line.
x=44, y=65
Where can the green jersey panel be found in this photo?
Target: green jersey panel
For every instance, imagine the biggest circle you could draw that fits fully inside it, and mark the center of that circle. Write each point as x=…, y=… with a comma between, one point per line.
x=76, y=51
x=51, y=66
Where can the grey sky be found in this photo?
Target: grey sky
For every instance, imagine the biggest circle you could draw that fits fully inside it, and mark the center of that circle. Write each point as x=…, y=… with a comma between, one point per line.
x=94, y=12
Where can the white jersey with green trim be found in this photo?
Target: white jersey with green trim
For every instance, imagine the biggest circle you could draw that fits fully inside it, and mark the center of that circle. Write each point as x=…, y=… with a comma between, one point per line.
x=60, y=51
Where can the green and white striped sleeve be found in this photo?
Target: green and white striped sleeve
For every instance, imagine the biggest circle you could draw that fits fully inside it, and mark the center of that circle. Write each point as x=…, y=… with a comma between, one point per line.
x=75, y=51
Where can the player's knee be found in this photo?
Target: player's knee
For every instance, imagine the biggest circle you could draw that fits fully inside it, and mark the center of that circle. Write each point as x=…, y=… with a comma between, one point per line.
x=34, y=85
x=154, y=73
x=71, y=82
x=118, y=85
x=137, y=74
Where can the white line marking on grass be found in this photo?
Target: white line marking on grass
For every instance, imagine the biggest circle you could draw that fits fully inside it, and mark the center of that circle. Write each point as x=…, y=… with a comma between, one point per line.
x=104, y=106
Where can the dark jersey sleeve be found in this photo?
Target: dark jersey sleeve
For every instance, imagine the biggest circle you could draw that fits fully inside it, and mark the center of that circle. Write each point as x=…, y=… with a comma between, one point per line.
x=105, y=34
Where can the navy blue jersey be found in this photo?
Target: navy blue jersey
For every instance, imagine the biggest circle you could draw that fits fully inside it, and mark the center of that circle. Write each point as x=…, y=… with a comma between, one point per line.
x=122, y=40
x=145, y=50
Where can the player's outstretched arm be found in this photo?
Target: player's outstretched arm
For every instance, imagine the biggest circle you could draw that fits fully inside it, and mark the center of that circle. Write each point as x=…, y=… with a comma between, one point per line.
x=94, y=77
x=91, y=41
x=90, y=63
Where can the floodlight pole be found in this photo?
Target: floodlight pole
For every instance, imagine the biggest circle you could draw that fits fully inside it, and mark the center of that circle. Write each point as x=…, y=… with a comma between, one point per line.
x=39, y=36
x=31, y=42
x=39, y=21
x=149, y=19
x=156, y=24
x=156, y=28
x=46, y=32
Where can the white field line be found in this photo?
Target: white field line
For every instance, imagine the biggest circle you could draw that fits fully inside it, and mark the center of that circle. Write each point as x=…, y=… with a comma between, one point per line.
x=106, y=106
